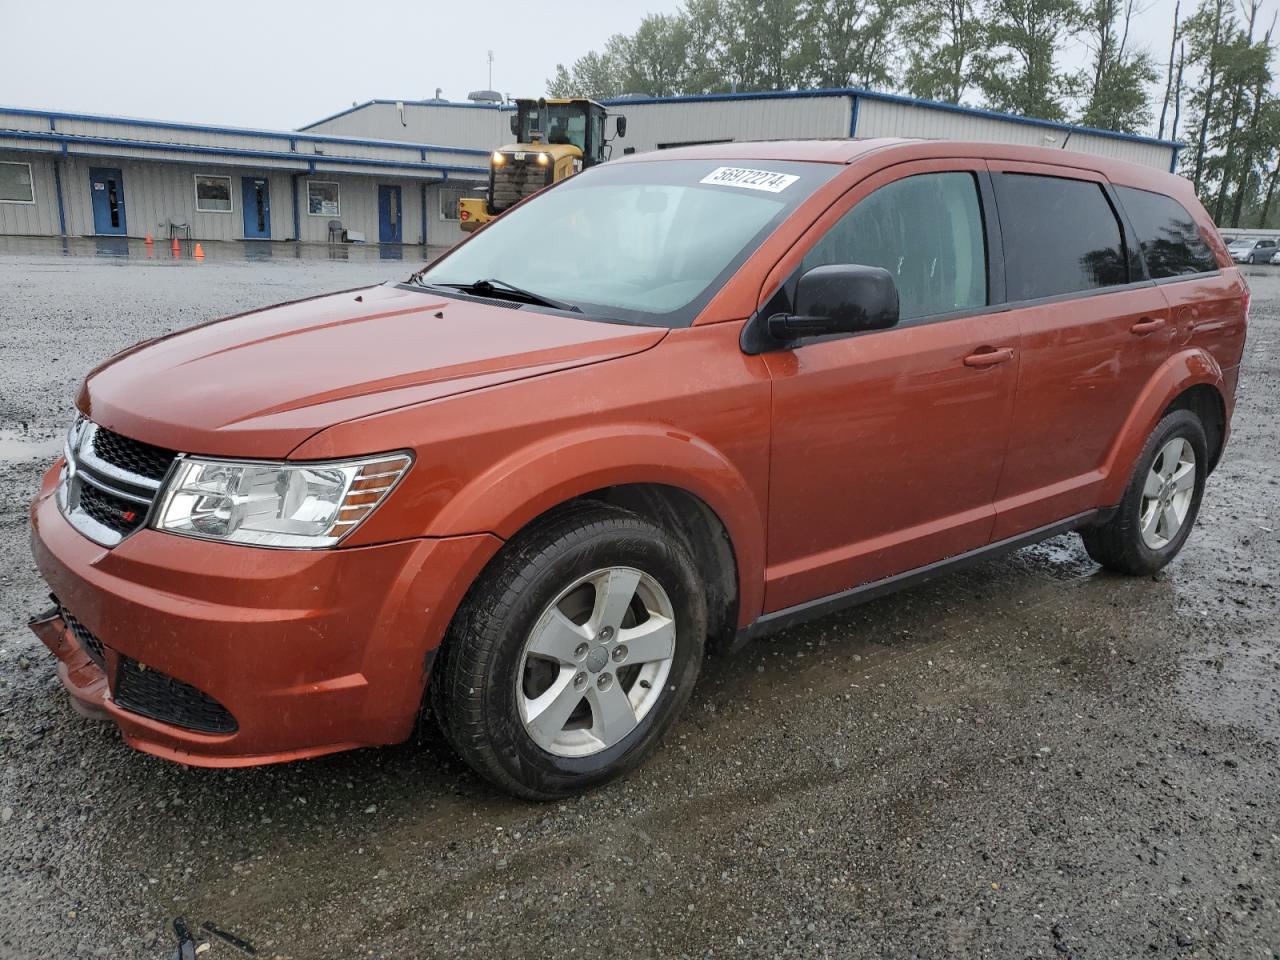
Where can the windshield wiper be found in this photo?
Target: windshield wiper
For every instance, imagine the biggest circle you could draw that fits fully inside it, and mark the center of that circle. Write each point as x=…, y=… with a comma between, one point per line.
x=493, y=287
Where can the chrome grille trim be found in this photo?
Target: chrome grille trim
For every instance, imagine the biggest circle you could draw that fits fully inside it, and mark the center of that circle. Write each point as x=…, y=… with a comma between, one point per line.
x=85, y=468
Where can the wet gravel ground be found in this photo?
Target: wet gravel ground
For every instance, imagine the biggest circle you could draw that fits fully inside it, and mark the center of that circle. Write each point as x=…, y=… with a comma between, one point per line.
x=1030, y=758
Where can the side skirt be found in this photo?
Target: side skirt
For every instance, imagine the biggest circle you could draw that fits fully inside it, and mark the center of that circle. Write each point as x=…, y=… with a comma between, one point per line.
x=812, y=609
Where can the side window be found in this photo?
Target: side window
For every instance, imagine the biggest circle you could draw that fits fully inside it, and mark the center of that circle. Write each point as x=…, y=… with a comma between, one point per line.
x=1060, y=236
x=1170, y=239
x=927, y=231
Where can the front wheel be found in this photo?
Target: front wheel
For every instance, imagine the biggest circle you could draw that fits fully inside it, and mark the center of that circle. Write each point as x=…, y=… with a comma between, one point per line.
x=1160, y=504
x=573, y=653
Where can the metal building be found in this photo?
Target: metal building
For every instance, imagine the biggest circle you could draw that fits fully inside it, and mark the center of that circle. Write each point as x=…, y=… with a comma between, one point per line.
x=64, y=174
x=391, y=171
x=655, y=123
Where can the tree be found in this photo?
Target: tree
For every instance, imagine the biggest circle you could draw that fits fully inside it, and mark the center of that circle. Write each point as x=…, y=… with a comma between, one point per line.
x=763, y=45
x=1019, y=73
x=942, y=38
x=1204, y=32
x=1168, y=82
x=1116, y=82
x=655, y=61
x=846, y=42
x=595, y=75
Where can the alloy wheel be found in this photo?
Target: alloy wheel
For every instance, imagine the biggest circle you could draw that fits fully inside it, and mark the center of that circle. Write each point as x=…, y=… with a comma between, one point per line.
x=596, y=662
x=1167, y=493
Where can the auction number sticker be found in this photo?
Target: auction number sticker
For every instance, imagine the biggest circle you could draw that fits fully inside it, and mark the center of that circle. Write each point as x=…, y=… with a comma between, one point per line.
x=766, y=180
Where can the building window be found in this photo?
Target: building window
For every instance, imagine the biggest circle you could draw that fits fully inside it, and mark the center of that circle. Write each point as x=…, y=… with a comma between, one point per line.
x=15, y=183
x=449, y=197
x=213, y=194
x=322, y=198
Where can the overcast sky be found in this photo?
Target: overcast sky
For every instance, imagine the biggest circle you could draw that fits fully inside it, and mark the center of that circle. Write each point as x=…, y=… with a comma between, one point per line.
x=281, y=65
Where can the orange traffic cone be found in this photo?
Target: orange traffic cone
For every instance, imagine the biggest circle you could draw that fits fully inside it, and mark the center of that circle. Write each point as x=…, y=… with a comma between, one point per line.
x=199, y=254
x=173, y=247
x=149, y=240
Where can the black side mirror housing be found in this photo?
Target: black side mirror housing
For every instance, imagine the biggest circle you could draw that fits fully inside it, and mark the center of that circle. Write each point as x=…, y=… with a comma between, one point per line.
x=515, y=124
x=839, y=298
x=622, y=127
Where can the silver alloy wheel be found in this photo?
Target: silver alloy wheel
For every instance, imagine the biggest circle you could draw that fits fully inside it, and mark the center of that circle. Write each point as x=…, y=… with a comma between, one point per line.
x=596, y=661
x=1167, y=493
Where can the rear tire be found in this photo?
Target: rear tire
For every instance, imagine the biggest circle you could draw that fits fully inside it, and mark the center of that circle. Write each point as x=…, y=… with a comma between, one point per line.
x=573, y=653
x=1160, y=504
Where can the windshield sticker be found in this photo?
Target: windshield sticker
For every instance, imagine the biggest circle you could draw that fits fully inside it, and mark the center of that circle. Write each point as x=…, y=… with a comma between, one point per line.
x=765, y=180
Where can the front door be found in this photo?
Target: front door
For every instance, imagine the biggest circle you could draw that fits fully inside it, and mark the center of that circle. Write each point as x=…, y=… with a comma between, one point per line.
x=887, y=446
x=256, y=202
x=390, y=215
x=106, y=190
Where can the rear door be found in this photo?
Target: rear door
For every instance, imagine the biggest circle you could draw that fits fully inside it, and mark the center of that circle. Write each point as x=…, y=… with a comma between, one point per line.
x=255, y=196
x=390, y=218
x=887, y=445
x=1093, y=331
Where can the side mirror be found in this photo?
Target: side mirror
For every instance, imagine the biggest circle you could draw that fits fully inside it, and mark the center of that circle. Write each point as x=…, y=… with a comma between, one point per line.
x=839, y=298
x=622, y=126
x=515, y=124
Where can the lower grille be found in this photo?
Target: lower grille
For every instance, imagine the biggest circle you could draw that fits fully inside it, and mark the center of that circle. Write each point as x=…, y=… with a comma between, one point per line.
x=515, y=180
x=114, y=513
x=161, y=697
x=90, y=644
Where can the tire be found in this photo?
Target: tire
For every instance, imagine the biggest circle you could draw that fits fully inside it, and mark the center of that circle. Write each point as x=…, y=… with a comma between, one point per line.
x=517, y=642
x=1125, y=543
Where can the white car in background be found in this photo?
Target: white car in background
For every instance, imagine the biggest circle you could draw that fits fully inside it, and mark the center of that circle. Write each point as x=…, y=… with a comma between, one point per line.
x=1275, y=258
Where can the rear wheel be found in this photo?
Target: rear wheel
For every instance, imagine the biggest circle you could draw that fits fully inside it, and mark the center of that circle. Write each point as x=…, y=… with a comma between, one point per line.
x=1160, y=504
x=573, y=653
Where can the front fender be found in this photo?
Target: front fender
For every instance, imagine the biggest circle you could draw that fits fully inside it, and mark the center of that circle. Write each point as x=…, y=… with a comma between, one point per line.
x=1179, y=373
x=519, y=488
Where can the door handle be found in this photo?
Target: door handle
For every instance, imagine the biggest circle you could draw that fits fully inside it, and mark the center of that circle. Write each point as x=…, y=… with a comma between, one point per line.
x=1147, y=325
x=989, y=357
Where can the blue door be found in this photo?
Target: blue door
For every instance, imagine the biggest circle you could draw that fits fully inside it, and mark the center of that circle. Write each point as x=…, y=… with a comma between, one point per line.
x=390, y=215
x=255, y=200
x=106, y=189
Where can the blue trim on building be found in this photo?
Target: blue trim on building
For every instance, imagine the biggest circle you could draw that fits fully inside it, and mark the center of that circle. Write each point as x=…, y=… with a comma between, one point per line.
x=1173, y=161
x=853, y=115
x=423, y=197
x=204, y=150
x=297, y=220
x=57, y=190
x=893, y=98
x=293, y=137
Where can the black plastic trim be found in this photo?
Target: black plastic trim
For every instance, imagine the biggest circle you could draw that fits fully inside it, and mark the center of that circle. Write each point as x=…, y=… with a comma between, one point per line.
x=812, y=609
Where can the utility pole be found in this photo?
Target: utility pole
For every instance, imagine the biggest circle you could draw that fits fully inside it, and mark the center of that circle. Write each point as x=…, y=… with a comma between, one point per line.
x=490, y=87
x=1168, y=86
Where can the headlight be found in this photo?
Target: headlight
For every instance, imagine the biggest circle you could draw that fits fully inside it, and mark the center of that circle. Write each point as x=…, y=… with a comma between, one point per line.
x=275, y=504
x=543, y=159
x=498, y=158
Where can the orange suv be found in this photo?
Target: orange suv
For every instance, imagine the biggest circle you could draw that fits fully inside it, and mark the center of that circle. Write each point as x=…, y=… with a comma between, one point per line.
x=678, y=400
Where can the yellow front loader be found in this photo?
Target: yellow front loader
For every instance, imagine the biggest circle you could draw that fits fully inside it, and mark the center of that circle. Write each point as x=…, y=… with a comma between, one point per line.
x=555, y=138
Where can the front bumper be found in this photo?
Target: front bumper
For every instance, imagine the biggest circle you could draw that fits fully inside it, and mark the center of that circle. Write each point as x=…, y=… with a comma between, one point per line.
x=311, y=652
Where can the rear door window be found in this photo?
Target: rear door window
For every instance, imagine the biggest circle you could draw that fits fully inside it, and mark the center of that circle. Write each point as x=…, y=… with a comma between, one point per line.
x=1060, y=236
x=926, y=230
x=1170, y=239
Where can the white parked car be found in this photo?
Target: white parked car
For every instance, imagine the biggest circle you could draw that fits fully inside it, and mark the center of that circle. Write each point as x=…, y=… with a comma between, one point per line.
x=1275, y=258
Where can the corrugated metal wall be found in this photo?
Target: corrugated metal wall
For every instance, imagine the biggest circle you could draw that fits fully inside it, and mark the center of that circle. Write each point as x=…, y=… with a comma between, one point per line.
x=458, y=125
x=881, y=118
x=651, y=125
x=34, y=219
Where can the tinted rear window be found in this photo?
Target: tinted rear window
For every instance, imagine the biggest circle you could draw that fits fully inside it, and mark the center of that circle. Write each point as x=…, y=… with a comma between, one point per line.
x=1171, y=241
x=1060, y=236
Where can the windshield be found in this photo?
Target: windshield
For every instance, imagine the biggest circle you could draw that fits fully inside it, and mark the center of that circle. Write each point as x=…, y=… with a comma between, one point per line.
x=565, y=123
x=1241, y=245
x=643, y=242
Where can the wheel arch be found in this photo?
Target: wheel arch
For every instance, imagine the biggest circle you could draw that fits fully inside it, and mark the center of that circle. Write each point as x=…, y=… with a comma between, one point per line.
x=1192, y=380
x=679, y=481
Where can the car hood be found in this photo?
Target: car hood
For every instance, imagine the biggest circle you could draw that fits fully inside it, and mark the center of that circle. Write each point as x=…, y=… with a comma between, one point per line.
x=259, y=384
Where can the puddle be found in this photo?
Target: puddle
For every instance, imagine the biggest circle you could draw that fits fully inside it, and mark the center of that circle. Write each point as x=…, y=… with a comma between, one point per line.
x=18, y=448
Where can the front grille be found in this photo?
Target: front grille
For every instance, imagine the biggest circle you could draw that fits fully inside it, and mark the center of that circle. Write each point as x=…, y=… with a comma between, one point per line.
x=153, y=694
x=90, y=644
x=114, y=513
x=110, y=482
x=515, y=180
x=132, y=456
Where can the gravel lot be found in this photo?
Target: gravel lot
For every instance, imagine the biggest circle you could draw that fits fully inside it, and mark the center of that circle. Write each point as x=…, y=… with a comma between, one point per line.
x=1030, y=758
